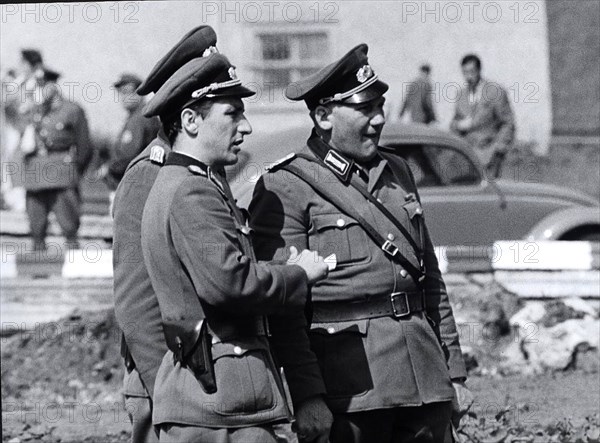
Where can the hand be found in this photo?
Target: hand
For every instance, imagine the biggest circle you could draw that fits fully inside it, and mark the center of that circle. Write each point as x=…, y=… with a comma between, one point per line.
x=313, y=421
x=463, y=399
x=313, y=264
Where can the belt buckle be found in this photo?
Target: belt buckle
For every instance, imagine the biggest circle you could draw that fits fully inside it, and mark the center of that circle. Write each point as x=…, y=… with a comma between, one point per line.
x=402, y=312
x=389, y=248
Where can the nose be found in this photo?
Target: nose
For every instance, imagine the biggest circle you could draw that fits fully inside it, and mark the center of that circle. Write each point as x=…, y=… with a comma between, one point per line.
x=378, y=118
x=244, y=127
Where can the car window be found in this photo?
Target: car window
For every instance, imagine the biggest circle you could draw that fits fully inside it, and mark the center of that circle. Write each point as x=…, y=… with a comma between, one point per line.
x=434, y=165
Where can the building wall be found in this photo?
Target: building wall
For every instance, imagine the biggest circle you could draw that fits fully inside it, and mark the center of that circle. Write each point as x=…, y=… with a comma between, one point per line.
x=574, y=34
x=91, y=48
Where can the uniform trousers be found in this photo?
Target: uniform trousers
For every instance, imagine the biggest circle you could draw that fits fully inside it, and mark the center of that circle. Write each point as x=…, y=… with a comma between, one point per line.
x=65, y=203
x=138, y=405
x=419, y=424
x=176, y=433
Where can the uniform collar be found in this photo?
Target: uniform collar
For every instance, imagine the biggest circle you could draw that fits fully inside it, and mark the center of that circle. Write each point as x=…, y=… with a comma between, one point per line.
x=180, y=159
x=336, y=161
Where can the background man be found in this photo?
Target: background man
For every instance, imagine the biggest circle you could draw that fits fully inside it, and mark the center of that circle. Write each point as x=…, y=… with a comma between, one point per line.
x=483, y=116
x=383, y=331
x=137, y=132
x=136, y=306
x=418, y=105
x=198, y=252
x=56, y=148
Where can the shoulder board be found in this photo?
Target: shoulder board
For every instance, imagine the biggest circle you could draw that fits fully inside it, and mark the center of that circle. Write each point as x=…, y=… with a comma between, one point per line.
x=281, y=162
x=197, y=170
x=157, y=155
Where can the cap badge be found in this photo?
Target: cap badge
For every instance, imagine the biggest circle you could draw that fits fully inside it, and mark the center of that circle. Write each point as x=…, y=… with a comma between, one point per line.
x=210, y=50
x=232, y=73
x=363, y=74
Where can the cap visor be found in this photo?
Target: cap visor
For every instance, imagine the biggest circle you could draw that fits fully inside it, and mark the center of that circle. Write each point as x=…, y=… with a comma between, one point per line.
x=234, y=91
x=374, y=91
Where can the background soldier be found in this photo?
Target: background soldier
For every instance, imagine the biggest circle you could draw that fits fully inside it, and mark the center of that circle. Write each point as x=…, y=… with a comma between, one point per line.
x=218, y=381
x=483, y=116
x=383, y=331
x=56, y=148
x=136, y=305
x=137, y=132
x=418, y=105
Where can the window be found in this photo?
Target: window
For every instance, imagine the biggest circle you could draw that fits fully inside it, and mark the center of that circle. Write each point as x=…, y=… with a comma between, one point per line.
x=283, y=58
x=439, y=166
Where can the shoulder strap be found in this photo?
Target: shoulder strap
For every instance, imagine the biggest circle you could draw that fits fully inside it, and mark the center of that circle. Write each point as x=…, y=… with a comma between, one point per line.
x=347, y=207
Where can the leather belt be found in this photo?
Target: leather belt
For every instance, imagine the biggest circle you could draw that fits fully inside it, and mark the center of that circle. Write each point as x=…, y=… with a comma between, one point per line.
x=243, y=327
x=397, y=305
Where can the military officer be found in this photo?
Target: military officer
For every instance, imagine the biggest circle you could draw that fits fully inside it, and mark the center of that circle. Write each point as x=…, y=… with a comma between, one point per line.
x=218, y=381
x=382, y=327
x=136, y=133
x=56, y=148
x=136, y=306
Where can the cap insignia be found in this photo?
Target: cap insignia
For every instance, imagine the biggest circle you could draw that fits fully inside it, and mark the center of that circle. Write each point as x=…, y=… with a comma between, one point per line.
x=232, y=73
x=363, y=74
x=210, y=50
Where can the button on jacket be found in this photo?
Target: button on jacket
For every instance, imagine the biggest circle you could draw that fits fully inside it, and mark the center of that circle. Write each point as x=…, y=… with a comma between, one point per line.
x=194, y=244
x=368, y=363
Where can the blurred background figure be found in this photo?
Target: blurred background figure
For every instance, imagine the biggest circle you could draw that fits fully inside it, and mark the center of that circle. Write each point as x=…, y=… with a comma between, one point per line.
x=56, y=149
x=137, y=132
x=483, y=116
x=418, y=106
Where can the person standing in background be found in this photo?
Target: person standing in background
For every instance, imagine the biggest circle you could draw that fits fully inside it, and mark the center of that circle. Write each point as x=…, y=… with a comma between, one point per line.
x=483, y=116
x=56, y=149
x=418, y=106
x=137, y=132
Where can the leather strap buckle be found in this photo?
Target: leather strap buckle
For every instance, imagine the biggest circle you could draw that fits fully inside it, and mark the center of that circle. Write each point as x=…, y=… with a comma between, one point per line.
x=389, y=248
x=400, y=304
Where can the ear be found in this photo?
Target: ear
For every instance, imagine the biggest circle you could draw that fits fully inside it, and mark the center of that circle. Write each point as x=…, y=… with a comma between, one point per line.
x=188, y=121
x=323, y=117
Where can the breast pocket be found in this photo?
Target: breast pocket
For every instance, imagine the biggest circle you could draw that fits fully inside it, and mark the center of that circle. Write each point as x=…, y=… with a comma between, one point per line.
x=341, y=235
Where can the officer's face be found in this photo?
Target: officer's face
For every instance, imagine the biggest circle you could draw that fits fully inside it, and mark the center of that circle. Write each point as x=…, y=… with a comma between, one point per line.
x=222, y=131
x=471, y=73
x=356, y=129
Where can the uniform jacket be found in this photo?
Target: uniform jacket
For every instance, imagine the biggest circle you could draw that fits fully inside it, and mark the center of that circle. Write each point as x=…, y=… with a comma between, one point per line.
x=418, y=102
x=136, y=305
x=367, y=363
x=197, y=247
x=61, y=130
x=137, y=132
x=493, y=127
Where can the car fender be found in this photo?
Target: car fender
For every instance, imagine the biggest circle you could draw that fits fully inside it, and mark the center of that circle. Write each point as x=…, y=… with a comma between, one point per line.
x=557, y=224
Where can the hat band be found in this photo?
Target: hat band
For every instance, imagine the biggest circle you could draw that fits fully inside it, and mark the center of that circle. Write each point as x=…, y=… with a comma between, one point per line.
x=198, y=93
x=342, y=96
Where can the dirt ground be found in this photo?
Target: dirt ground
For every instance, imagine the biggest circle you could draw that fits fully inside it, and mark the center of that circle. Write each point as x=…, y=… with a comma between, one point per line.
x=61, y=383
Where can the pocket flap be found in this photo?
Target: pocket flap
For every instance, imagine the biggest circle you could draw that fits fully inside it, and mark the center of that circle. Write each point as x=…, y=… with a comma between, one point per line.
x=332, y=328
x=328, y=221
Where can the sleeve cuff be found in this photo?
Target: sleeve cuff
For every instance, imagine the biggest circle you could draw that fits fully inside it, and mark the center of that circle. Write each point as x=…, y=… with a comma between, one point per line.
x=456, y=364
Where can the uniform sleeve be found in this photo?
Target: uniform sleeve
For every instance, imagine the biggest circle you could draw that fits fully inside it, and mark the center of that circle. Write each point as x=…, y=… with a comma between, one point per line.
x=506, y=130
x=84, y=146
x=204, y=235
x=438, y=306
x=278, y=221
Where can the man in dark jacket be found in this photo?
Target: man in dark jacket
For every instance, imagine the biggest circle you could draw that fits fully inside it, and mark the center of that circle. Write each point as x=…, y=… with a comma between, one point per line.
x=382, y=330
x=418, y=104
x=56, y=148
x=218, y=381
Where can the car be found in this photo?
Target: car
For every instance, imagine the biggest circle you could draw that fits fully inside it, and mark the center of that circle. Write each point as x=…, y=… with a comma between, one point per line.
x=463, y=205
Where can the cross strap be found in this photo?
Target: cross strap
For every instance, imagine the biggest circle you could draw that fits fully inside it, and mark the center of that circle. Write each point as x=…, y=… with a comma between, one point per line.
x=348, y=207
